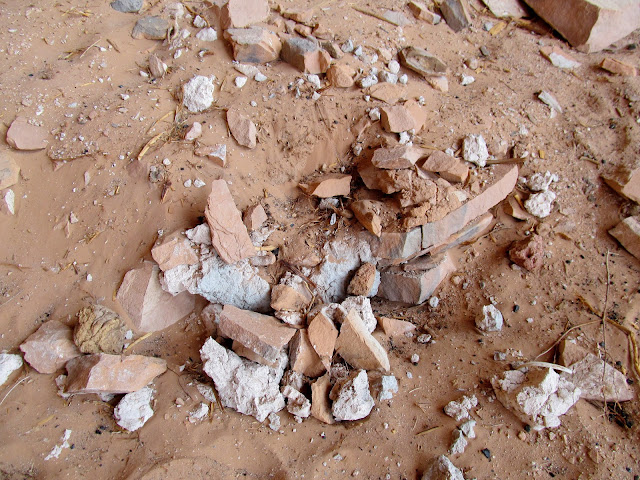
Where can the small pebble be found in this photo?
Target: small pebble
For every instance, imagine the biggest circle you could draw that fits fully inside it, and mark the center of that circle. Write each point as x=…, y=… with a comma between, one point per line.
x=187, y=183
x=415, y=358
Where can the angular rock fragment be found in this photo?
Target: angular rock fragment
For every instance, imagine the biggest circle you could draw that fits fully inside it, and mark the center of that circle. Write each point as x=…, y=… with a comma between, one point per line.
x=330, y=185
x=134, y=410
x=322, y=335
x=458, y=444
x=397, y=246
x=387, y=92
x=396, y=119
x=216, y=153
x=157, y=67
x=448, y=167
x=9, y=363
x=207, y=35
x=173, y=250
x=558, y=58
x=403, y=156
x=388, y=387
x=254, y=44
x=387, y=181
x=194, y=132
x=242, y=128
x=197, y=94
x=540, y=204
x=249, y=354
x=421, y=12
x=441, y=468
x=127, y=6
x=22, y=135
x=528, y=253
x=9, y=171
x=297, y=404
x=351, y=398
x=50, y=347
x=99, y=330
x=549, y=100
x=627, y=232
x=320, y=402
x=474, y=150
x=303, y=356
x=506, y=8
x=471, y=232
x=242, y=13
x=455, y=14
x=617, y=67
x=358, y=347
x=341, y=76
x=461, y=409
x=625, y=179
x=151, y=28
x=490, y=320
x=394, y=328
x=305, y=55
x=367, y=213
x=254, y=217
x=362, y=306
x=291, y=294
x=365, y=282
x=104, y=373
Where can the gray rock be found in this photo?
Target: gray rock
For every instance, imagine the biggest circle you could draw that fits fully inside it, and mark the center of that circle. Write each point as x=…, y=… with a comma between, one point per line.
x=151, y=28
x=127, y=6
x=441, y=468
x=490, y=320
x=134, y=409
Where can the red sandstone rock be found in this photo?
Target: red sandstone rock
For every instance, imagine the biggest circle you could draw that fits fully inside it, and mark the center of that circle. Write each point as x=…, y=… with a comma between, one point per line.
x=625, y=179
x=627, y=232
x=24, y=136
x=450, y=168
x=322, y=336
x=330, y=185
x=358, y=347
x=303, y=357
x=396, y=119
x=367, y=213
x=253, y=45
x=619, y=68
x=396, y=328
x=173, y=250
x=402, y=156
x=364, y=282
x=320, y=402
x=50, y=347
x=242, y=13
x=305, y=55
x=242, y=129
x=341, y=76
x=254, y=217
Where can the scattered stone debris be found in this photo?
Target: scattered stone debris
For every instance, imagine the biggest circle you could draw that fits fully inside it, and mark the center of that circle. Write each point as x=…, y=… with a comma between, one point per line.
x=305, y=55
x=9, y=363
x=351, y=397
x=207, y=35
x=157, y=67
x=458, y=444
x=50, y=347
x=197, y=94
x=506, y=8
x=134, y=410
x=461, y=409
x=422, y=62
x=528, y=253
x=216, y=153
x=540, y=204
x=23, y=135
x=150, y=28
x=274, y=421
x=388, y=387
x=99, y=330
x=441, y=468
x=421, y=12
x=490, y=320
x=627, y=232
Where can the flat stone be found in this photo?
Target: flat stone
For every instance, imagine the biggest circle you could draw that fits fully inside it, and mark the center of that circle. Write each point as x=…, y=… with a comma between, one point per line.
x=127, y=6
x=254, y=217
x=330, y=185
x=197, y=94
x=393, y=327
x=9, y=171
x=298, y=15
x=592, y=25
x=418, y=113
x=358, y=347
x=242, y=128
x=305, y=55
x=455, y=14
x=422, y=62
x=396, y=119
x=286, y=297
x=627, y=232
x=249, y=354
x=388, y=92
x=303, y=357
x=263, y=334
x=150, y=308
x=441, y=468
x=365, y=282
x=624, y=178
x=216, y=153
x=396, y=246
x=9, y=363
x=388, y=387
x=402, y=156
x=320, y=402
x=298, y=253
x=471, y=232
x=448, y=167
x=151, y=28
x=528, y=253
x=367, y=213
x=134, y=410
x=506, y=8
x=619, y=68
x=228, y=234
x=341, y=76
x=50, y=347
x=254, y=44
x=322, y=335
x=242, y=13
x=104, y=373
x=396, y=18
x=172, y=250
x=351, y=397
x=362, y=306
x=24, y=136
x=439, y=82
x=421, y=12
x=558, y=58
x=99, y=330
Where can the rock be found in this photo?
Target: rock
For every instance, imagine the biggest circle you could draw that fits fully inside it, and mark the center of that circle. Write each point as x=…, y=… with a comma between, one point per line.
x=592, y=25
x=351, y=398
x=362, y=306
x=194, y=132
x=99, y=330
x=156, y=66
x=305, y=55
x=388, y=386
x=149, y=307
x=441, y=468
x=461, y=409
x=387, y=93
x=490, y=320
x=329, y=185
x=396, y=119
x=253, y=45
x=474, y=150
x=540, y=182
x=217, y=153
x=242, y=13
x=242, y=128
x=414, y=287
x=243, y=385
x=127, y=6
x=418, y=113
x=538, y=397
x=134, y=410
x=292, y=293
x=228, y=234
x=322, y=335
x=540, y=204
x=249, y=354
x=627, y=232
x=50, y=347
x=333, y=49
x=254, y=217
x=458, y=444
x=455, y=14
x=8, y=202
x=440, y=83
x=274, y=421
x=404, y=156
x=528, y=253
x=624, y=178
x=596, y=379
x=421, y=12
x=396, y=328
x=197, y=94
x=558, y=58
x=358, y=347
x=448, y=167
x=471, y=232
x=365, y=282
x=9, y=363
x=172, y=250
x=368, y=214
x=303, y=357
x=548, y=99
x=341, y=76
x=104, y=373
x=467, y=428
x=612, y=65
x=263, y=334
x=397, y=246
x=207, y=35
x=151, y=28
x=320, y=402
x=22, y=135
x=506, y=8
x=297, y=404
x=9, y=171
x=299, y=16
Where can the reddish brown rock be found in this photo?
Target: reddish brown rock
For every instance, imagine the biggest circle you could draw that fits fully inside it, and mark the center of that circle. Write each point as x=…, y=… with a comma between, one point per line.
x=450, y=168
x=104, y=373
x=358, y=347
x=396, y=119
x=173, y=250
x=387, y=181
x=341, y=76
x=625, y=179
x=365, y=281
x=242, y=128
x=322, y=336
x=254, y=217
x=627, y=232
x=388, y=92
x=24, y=136
x=367, y=213
x=253, y=45
x=149, y=307
x=50, y=347
x=418, y=113
x=320, y=402
x=421, y=12
x=401, y=156
x=263, y=334
x=528, y=253
x=396, y=328
x=298, y=15
x=422, y=191
x=242, y=13
x=330, y=185
x=305, y=55
x=396, y=246
x=455, y=14
x=228, y=234
x=287, y=298
x=302, y=356
x=619, y=68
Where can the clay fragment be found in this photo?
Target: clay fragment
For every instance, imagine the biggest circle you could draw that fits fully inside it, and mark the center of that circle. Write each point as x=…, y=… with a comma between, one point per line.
x=99, y=330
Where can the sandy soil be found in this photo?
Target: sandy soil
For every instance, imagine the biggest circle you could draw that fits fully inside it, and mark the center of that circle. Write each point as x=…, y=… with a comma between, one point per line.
x=67, y=65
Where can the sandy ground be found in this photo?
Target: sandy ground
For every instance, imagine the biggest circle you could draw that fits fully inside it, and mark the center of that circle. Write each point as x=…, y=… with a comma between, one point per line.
x=67, y=65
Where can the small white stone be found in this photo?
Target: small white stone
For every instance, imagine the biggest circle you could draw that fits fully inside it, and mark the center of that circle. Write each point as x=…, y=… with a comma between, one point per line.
x=89, y=277
x=199, y=22
x=394, y=67
x=347, y=47
x=540, y=204
x=490, y=320
x=253, y=103
x=434, y=302
x=467, y=80
x=187, y=183
x=316, y=96
x=374, y=114
x=207, y=35
x=166, y=162
x=474, y=150
x=240, y=81
x=260, y=77
x=314, y=80
x=403, y=79
x=9, y=363
x=134, y=409
x=415, y=358
x=198, y=183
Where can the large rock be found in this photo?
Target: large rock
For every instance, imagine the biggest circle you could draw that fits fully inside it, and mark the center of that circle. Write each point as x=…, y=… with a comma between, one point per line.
x=397, y=246
x=173, y=250
x=305, y=55
x=368, y=214
x=253, y=45
x=358, y=347
x=151, y=28
x=242, y=13
x=99, y=330
x=627, y=232
x=104, y=373
x=303, y=357
x=351, y=397
x=402, y=156
x=50, y=347
x=22, y=135
x=9, y=171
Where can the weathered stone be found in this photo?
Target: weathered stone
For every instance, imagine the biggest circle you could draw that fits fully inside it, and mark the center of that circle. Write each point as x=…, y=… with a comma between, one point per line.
x=207, y=35
x=322, y=336
x=254, y=44
x=156, y=66
x=627, y=232
x=299, y=253
x=448, y=167
x=592, y=25
x=367, y=213
x=242, y=128
x=388, y=92
x=104, y=373
x=362, y=306
x=461, y=409
x=24, y=136
x=395, y=246
x=441, y=468
x=330, y=185
x=99, y=330
x=303, y=356
x=396, y=119
x=474, y=150
x=254, y=217
x=549, y=100
x=425, y=194
x=528, y=253
x=127, y=6
x=540, y=204
x=624, y=178
x=358, y=347
x=9, y=363
x=490, y=320
x=216, y=153
x=297, y=404
x=365, y=282
x=286, y=297
x=263, y=334
x=395, y=328
x=439, y=82
x=249, y=354
x=469, y=233
x=458, y=443
x=197, y=94
x=422, y=62
x=402, y=156
x=414, y=287
x=50, y=347
x=506, y=8
x=619, y=68
x=149, y=307
x=351, y=397
x=341, y=76
x=320, y=402
x=172, y=250
x=134, y=410
x=242, y=13
x=305, y=55
x=298, y=15
x=558, y=58
x=387, y=181
x=9, y=171
x=151, y=28
x=421, y=12
x=194, y=132
x=455, y=14
x=7, y=201
x=386, y=387
x=396, y=18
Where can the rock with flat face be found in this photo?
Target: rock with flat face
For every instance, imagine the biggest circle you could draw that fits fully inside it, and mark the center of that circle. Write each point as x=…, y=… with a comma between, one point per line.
x=9, y=171
x=358, y=347
x=625, y=179
x=422, y=62
x=351, y=397
x=134, y=409
x=402, y=156
x=627, y=232
x=341, y=76
x=330, y=185
x=320, y=402
x=323, y=334
x=242, y=129
x=127, y=6
x=254, y=44
x=50, y=347
x=242, y=13
x=151, y=28
x=305, y=55
x=441, y=468
x=24, y=136
x=173, y=250
x=455, y=14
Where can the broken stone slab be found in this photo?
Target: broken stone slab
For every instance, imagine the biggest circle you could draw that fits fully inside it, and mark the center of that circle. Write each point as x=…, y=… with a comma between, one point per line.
x=441, y=468
x=421, y=12
x=592, y=25
x=330, y=185
x=402, y=156
x=351, y=397
x=150, y=308
x=197, y=94
x=396, y=246
x=9, y=171
x=297, y=404
x=490, y=320
x=455, y=14
x=627, y=232
x=242, y=128
x=538, y=397
x=243, y=385
x=549, y=100
x=127, y=6
x=291, y=293
x=305, y=55
x=104, y=373
x=506, y=8
x=388, y=92
x=194, y=132
x=99, y=330
x=368, y=214
x=362, y=306
x=216, y=153
x=596, y=379
x=22, y=135
x=396, y=119
x=365, y=282
x=254, y=44
x=249, y=354
x=414, y=287
x=320, y=402
x=242, y=13
x=303, y=356
x=474, y=150
x=435, y=233
x=172, y=250
x=50, y=347
x=624, y=178
x=558, y=58
x=393, y=327
x=9, y=363
x=254, y=217
x=341, y=76
x=263, y=334
x=461, y=409
x=134, y=410
x=358, y=347
x=395, y=18
x=448, y=167
x=151, y=28
x=617, y=67
x=388, y=387
x=528, y=253
x=323, y=334
x=471, y=232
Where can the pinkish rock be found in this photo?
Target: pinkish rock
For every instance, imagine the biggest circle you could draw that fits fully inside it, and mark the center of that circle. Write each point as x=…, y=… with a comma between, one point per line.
x=150, y=308
x=450, y=168
x=330, y=185
x=173, y=250
x=320, y=402
x=50, y=347
x=305, y=55
x=358, y=347
x=228, y=234
x=418, y=113
x=388, y=92
x=303, y=357
x=528, y=253
x=625, y=179
x=288, y=298
x=341, y=76
x=455, y=14
x=421, y=12
x=365, y=282
x=402, y=156
x=24, y=136
x=249, y=354
x=368, y=214
x=506, y=8
x=396, y=328
x=194, y=132
x=216, y=153
x=253, y=45
x=104, y=373
x=627, y=232
x=558, y=58
x=9, y=171
x=387, y=181
x=242, y=128
x=471, y=232
x=396, y=119
x=612, y=65
x=396, y=246
x=322, y=336
x=254, y=217
x=242, y=13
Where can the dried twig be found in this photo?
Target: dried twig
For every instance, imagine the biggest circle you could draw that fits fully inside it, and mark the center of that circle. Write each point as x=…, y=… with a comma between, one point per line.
x=11, y=390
